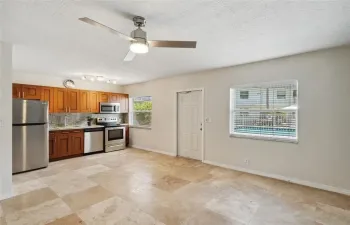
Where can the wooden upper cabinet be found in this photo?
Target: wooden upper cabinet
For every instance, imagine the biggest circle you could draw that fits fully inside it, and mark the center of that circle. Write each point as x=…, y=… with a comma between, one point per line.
x=76, y=142
x=94, y=102
x=31, y=92
x=104, y=97
x=26, y=91
x=114, y=97
x=124, y=103
x=73, y=100
x=47, y=94
x=85, y=105
x=60, y=100
x=16, y=90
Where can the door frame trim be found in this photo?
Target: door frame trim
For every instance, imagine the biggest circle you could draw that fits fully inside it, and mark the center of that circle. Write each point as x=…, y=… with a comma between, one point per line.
x=177, y=119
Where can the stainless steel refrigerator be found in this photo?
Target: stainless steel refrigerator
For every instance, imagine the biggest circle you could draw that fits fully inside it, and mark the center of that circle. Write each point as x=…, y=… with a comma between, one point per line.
x=30, y=135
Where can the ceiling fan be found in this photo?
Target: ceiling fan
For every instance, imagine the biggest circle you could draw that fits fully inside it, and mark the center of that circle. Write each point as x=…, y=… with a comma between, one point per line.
x=138, y=38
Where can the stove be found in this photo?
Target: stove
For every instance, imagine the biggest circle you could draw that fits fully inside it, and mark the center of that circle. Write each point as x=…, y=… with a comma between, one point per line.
x=114, y=133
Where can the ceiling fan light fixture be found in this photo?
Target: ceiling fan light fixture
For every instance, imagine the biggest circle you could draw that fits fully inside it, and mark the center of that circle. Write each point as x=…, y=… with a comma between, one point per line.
x=139, y=48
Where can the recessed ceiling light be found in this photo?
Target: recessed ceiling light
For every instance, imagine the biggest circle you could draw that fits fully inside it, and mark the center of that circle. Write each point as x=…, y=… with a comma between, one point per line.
x=83, y=77
x=92, y=78
x=114, y=82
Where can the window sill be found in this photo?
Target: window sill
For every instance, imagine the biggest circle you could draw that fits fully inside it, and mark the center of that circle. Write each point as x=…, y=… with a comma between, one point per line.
x=266, y=138
x=140, y=127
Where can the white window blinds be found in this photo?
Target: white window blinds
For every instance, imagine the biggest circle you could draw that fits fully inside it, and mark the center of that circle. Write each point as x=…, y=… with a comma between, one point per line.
x=267, y=111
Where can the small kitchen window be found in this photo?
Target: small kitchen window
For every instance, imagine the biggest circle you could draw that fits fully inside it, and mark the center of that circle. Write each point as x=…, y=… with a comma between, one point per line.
x=141, y=112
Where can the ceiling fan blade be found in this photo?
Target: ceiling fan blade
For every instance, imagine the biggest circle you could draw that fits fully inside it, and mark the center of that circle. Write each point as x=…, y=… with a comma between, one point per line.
x=173, y=44
x=97, y=24
x=130, y=56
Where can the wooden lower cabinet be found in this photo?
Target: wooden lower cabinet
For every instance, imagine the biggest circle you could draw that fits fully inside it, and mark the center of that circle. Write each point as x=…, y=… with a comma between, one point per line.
x=65, y=144
x=53, y=153
x=77, y=142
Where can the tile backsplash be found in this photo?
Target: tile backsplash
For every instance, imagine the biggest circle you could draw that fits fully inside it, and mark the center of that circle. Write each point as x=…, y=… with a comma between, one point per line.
x=74, y=119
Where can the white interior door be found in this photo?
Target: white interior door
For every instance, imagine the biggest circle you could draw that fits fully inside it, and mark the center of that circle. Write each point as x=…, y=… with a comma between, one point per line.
x=190, y=120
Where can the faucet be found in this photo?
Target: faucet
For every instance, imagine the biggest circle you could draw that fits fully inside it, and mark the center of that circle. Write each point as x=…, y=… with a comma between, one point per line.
x=65, y=120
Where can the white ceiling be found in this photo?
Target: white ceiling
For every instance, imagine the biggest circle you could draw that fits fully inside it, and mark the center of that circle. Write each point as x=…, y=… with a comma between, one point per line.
x=49, y=38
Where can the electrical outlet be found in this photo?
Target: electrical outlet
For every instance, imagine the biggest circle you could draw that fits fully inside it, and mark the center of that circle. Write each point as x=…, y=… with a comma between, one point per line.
x=246, y=161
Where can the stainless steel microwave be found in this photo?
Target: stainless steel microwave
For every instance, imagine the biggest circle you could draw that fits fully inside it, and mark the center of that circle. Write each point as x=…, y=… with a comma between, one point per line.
x=109, y=107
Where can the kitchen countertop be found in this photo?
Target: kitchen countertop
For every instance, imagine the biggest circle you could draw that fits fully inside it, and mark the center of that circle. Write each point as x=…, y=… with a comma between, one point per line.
x=79, y=127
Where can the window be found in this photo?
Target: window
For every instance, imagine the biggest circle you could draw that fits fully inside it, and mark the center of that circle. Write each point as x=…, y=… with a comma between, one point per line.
x=244, y=94
x=270, y=112
x=141, y=111
x=281, y=94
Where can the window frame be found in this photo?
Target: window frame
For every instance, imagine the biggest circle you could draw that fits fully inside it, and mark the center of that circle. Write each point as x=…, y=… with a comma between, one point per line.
x=131, y=113
x=232, y=104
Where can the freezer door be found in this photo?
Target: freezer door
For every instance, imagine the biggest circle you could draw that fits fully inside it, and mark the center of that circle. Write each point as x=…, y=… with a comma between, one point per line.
x=29, y=111
x=30, y=147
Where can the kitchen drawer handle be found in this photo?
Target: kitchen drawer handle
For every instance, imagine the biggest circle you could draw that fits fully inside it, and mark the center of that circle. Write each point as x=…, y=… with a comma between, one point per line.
x=65, y=132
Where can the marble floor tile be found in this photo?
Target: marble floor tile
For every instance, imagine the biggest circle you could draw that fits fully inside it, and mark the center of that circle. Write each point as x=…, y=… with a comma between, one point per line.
x=68, y=182
x=28, y=186
x=207, y=217
x=23, y=177
x=171, y=211
x=72, y=219
x=170, y=183
x=330, y=215
x=138, y=217
x=109, y=211
x=40, y=214
x=218, y=172
x=2, y=221
x=27, y=200
x=198, y=193
x=1, y=212
x=91, y=170
x=83, y=199
x=134, y=187
x=235, y=205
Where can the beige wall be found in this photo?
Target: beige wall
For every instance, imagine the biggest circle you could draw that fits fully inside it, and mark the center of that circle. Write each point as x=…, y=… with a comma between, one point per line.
x=56, y=81
x=5, y=120
x=322, y=155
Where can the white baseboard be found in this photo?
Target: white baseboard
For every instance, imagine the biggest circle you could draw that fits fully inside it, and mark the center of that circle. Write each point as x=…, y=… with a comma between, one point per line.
x=153, y=150
x=279, y=177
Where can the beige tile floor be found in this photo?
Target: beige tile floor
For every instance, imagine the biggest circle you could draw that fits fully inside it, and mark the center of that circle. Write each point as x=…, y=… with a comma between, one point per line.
x=133, y=187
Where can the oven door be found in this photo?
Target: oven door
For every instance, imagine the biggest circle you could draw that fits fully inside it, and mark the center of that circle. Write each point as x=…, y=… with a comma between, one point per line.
x=115, y=135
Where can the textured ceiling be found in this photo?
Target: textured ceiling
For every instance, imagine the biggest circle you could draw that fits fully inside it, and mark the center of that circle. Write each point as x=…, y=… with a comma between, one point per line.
x=50, y=39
